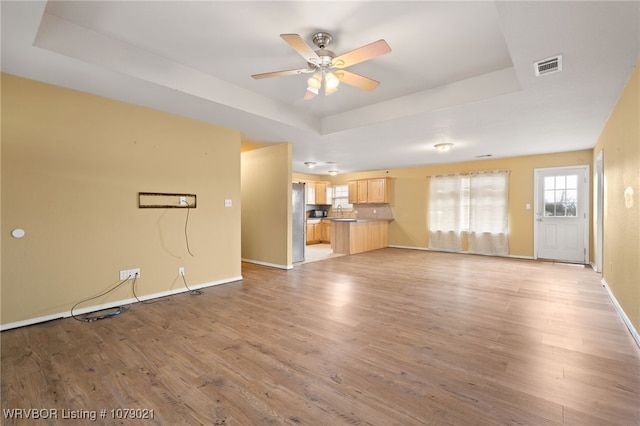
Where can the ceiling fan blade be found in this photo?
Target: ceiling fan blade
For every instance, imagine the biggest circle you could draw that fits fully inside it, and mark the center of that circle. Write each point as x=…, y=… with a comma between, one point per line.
x=281, y=73
x=356, y=80
x=361, y=54
x=300, y=46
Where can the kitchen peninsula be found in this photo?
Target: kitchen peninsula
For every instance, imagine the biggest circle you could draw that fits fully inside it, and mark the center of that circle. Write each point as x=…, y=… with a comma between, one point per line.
x=368, y=229
x=364, y=228
x=351, y=236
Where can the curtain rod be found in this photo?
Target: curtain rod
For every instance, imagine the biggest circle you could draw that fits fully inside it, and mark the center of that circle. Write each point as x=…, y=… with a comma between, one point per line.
x=470, y=173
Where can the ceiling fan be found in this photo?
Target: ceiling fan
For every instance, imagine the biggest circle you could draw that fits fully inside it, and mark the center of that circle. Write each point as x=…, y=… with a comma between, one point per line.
x=327, y=68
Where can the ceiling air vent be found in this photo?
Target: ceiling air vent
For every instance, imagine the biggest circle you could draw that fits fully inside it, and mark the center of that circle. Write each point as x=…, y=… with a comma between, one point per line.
x=548, y=66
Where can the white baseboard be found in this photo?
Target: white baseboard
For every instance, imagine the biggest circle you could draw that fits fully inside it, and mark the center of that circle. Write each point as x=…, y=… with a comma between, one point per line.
x=621, y=313
x=110, y=305
x=513, y=256
x=410, y=247
x=461, y=252
x=271, y=265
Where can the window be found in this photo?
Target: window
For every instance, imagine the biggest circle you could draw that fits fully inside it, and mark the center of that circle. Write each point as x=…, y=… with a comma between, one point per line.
x=476, y=203
x=561, y=195
x=341, y=198
x=446, y=212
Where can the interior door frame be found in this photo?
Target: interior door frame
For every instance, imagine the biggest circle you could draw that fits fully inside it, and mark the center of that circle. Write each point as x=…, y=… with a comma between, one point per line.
x=584, y=195
x=598, y=210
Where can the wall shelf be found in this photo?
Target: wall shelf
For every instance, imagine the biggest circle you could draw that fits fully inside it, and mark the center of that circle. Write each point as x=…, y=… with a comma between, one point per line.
x=163, y=200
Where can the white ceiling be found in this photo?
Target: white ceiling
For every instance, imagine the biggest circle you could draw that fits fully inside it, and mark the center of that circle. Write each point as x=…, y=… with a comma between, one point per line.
x=459, y=72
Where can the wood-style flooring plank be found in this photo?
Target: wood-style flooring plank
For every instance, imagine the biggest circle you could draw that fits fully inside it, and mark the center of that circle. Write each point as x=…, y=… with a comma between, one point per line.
x=389, y=337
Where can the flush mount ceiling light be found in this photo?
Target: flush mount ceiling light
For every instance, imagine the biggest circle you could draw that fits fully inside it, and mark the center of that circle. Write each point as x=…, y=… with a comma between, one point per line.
x=333, y=172
x=443, y=147
x=310, y=164
x=327, y=68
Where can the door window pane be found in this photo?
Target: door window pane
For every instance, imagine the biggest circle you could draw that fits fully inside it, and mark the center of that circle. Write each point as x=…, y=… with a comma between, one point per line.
x=549, y=202
x=561, y=196
x=549, y=182
x=570, y=203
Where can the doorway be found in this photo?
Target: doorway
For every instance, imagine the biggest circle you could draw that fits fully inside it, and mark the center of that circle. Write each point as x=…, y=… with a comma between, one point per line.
x=561, y=200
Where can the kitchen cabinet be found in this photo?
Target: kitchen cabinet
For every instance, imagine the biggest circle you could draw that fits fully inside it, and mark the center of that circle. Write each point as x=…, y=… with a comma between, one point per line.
x=318, y=231
x=310, y=188
x=363, y=191
x=368, y=191
x=351, y=237
x=325, y=231
x=377, y=190
x=353, y=191
x=321, y=192
x=318, y=192
x=311, y=232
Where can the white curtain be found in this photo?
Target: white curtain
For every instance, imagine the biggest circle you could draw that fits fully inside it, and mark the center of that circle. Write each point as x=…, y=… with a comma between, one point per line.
x=445, y=210
x=488, y=212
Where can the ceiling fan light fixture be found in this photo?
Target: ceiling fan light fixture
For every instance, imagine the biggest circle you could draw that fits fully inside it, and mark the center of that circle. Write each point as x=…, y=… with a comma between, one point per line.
x=323, y=63
x=443, y=147
x=315, y=82
x=328, y=91
x=331, y=81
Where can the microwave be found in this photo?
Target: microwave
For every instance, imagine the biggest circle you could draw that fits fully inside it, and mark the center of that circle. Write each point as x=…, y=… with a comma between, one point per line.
x=317, y=213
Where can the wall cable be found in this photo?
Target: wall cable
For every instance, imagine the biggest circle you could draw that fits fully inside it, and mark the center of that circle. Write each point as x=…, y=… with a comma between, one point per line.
x=186, y=234
x=194, y=292
x=146, y=302
x=89, y=318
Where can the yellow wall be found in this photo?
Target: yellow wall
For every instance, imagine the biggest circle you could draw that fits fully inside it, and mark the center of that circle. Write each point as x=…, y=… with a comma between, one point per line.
x=266, y=206
x=72, y=166
x=304, y=177
x=410, y=190
x=620, y=145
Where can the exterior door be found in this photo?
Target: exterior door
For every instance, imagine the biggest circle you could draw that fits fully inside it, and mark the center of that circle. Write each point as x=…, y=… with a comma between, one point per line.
x=561, y=214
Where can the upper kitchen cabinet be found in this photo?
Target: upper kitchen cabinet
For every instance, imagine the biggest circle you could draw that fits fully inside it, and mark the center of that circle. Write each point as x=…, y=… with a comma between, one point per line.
x=321, y=193
x=363, y=192
x=353, y=191
x=378, y=190
x=318, y=192
x=369, y=191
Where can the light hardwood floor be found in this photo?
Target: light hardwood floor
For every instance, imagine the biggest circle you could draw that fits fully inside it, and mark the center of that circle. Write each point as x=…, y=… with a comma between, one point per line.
x=389, y=337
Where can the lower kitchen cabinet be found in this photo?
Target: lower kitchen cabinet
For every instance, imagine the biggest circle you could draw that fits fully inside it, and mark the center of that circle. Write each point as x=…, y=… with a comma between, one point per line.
x=318, y=231
x=357, y=237
x=325, y=231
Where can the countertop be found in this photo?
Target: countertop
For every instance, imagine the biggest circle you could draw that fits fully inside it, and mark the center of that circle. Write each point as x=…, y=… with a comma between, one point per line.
x=352, y=219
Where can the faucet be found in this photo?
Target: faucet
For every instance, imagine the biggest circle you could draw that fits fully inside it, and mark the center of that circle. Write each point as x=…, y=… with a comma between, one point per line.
x=339, y=210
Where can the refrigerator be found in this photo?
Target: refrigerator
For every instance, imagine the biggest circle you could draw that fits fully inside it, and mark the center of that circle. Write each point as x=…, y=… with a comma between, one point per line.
x=298, y=222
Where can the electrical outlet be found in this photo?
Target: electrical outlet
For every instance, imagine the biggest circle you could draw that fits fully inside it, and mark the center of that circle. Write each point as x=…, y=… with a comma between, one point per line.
x=183, y=200
x=129, y=273
x=181, y=270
